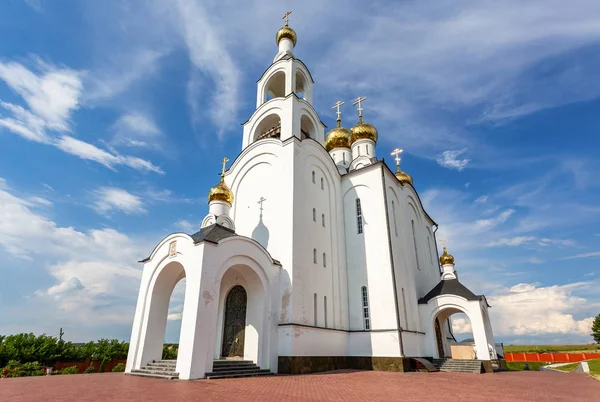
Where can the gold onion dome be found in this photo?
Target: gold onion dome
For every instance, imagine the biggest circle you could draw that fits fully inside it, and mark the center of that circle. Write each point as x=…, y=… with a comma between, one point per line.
x=403, y=176
x=363, y=131
x=286, y=32
x=446, y=258
x=220, y=192
x=339, y=137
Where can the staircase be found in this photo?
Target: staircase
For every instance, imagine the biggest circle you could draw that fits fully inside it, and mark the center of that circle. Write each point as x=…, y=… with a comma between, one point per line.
x=458, y=366
x=236, y=369
x=158, y=369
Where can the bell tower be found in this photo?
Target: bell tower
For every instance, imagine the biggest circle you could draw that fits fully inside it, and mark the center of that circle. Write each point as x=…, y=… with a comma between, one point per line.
x=284, y=97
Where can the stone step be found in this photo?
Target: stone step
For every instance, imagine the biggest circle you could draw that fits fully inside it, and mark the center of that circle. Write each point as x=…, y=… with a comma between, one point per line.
x=166, y=361
x=139, y=373
x=234, y=367
x=161, y=368
x=152, y=371
x=215, y=376
x=250, y=371
x=228, y=362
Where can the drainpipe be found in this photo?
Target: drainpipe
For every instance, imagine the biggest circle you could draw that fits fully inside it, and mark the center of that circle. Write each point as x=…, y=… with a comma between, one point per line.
x=389, y=233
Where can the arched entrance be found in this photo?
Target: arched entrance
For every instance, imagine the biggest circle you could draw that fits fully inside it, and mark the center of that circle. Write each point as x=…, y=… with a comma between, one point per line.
x=234, y=326
x=453, y=334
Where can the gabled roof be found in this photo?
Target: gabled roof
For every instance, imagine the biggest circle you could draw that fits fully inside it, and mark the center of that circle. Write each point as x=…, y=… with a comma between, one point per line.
x=450, y=287
x=212, y=234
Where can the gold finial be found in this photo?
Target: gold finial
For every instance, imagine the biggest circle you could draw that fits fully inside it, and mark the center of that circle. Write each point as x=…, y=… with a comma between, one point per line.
x=443, y=240
x=446, y=258
x=286, y=17
x=360, y=109
x=225, y=160
x=339, y=114
x=395, y=153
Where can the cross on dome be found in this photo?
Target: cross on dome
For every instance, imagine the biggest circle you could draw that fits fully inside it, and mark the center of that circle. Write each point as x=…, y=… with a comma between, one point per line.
x=339, y=113
x=225, y=160
x=260, y=201
x=286, y=17
x=396, y=152
x=359, y=108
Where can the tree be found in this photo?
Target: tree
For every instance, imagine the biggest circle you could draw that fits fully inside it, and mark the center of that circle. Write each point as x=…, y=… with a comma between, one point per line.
x=596, y=329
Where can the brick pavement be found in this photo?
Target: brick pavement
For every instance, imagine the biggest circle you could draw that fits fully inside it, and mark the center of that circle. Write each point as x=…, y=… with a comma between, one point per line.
x=335, y=386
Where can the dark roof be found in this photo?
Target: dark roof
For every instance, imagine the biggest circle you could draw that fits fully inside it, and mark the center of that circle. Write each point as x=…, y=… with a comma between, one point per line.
x=212, y=234
x=450, y=287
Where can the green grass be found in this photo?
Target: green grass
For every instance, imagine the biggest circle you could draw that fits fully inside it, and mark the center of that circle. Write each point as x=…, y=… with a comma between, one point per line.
x=551, y=348
x=518, y=366
x=594, y=367
x=566, y=367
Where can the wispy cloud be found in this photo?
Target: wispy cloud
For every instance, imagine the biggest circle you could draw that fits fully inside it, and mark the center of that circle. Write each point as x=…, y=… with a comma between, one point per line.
x=513, y=241
x=482, y=199
x=110, y=199
x=136, y=130
x=584, y=255
x=449, y=159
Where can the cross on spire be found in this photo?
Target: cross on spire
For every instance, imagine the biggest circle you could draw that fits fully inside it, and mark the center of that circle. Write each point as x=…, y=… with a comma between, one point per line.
x=359, y=108
x=260, y=201
x=225, y=160
x=339, y=114
x=286, y=17
x=396, y=154
x=443, y=240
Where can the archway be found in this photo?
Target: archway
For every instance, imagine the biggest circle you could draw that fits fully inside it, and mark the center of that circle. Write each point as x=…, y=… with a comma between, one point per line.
x=275, y=87
x=234, y=326
x=158, y=311
x=307, y=128
x=269, y=127
x=453, y=335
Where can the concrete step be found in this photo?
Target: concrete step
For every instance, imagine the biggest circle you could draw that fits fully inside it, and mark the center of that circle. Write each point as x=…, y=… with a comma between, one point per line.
x=229, y=362
x=160, y=368
x=152, y=371
x=250, y=371
x=215, y=376
x=458, y=366
x=235, y=367
x=140, y=373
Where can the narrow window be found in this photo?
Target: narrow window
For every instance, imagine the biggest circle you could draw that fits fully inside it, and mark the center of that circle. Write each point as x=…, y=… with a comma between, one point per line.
x=365, y=304
x=367, y=148
x=394, y=213
x=415, y=244
x=344, y=158
x=359, y=217
x=322, y=186
x=315, y=305
x=314, y=215
x=324, y=259
x=323, y=220
x=405, y=313
x=325, y=309
x=429, y=247
x=358, y=150
x=313, y=176
x=315, y=255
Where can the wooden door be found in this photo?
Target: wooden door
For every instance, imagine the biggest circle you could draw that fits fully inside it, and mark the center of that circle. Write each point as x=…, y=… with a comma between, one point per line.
x=235, y=323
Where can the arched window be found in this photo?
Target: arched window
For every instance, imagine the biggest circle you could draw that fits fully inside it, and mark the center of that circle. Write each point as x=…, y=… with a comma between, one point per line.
x=322, y=186
x=315, y=255
x=365, y=304
x=314, y=215
x=412, y=223
x=315, y=308
x=367, y=149
x=325, y=309
x=344, y=158
x=313, y=176
x=324, y=259
x=405, y=313
x=394, y=213
x=323, y=220
x=359, y=217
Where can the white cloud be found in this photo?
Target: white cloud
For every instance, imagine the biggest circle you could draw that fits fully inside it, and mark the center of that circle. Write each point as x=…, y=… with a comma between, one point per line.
x=64, y=287
x=528, y=309
x=449, y=159
x=136, y=130
x=40, y=201
x=512, y=241
x=584, y=255
x=487, y=224
x=109, y=199
x=482, y=199
x=544, y=242
x=460, y=324
x=187, y=227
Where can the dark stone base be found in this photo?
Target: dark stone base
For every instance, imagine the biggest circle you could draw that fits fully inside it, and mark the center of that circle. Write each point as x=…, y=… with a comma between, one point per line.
x=486, y=366
x=318, y=364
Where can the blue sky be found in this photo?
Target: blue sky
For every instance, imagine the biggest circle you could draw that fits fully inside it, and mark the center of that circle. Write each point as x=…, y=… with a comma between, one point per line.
x=114, y=116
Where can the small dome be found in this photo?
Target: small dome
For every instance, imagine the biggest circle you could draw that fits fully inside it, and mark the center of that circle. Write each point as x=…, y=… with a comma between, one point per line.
x=404, y=177
x=286, y=32
x=446, y=258
x=339, y=137
x=363, y=131
x=220, y=192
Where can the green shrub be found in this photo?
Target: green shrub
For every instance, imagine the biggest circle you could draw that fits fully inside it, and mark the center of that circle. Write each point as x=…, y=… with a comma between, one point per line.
x=170, y=351
x=119, y=368
x=90, y=369
x=15, y=369
x=70, y=370
x=101, y=368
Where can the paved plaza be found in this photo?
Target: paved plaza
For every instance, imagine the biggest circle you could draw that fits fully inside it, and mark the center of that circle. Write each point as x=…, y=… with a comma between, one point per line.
x=335, y=386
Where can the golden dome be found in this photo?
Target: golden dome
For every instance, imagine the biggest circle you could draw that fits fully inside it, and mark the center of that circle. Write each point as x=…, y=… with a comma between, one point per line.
x=403, y=176
x=339, y=137
x=286, y=32
x=363, y=131
x=446, y=258
x=220, y=192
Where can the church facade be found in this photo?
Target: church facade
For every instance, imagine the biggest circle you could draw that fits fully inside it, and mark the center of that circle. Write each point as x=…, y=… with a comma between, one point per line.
x=314, y=254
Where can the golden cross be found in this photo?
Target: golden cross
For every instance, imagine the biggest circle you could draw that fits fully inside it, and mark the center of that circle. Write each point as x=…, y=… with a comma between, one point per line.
x=337, y=106
x=286, y=17
x=443, y=239
x=360, y=109
x=395, y=153
x=225, y=160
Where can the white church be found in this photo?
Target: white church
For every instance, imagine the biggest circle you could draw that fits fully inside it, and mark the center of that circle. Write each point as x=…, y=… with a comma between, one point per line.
x=314, y=255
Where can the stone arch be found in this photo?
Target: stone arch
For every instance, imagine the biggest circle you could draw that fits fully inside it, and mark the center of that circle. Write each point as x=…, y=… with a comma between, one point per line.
x=440, y=316
x=268, y=127
x=275, y=86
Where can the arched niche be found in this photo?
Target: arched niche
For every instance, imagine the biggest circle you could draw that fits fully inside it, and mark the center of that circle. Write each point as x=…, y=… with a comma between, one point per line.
x=269, y=127
x=275, y=86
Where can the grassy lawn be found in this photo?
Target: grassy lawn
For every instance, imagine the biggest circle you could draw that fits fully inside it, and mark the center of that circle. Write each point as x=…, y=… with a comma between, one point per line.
x=594, y=367
x=518, y=366
x=551, y=348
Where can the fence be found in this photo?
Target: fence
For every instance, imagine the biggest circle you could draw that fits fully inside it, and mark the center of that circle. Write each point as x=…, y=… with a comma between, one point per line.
x=550, y=357
x=81, y=366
